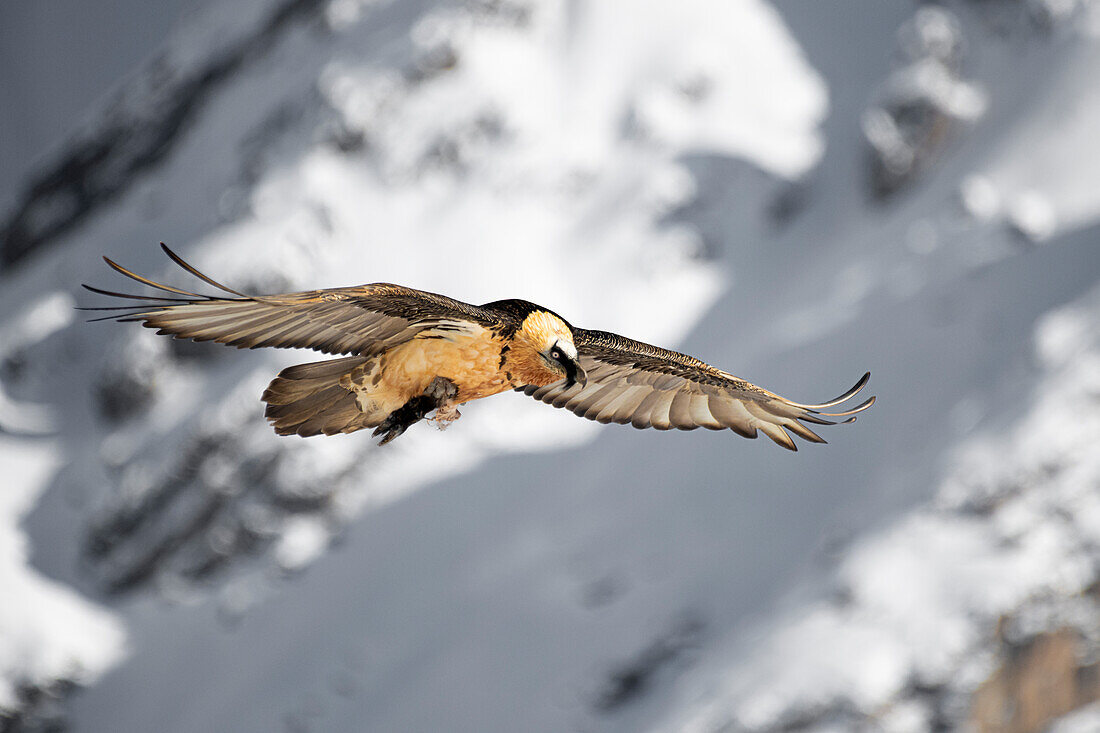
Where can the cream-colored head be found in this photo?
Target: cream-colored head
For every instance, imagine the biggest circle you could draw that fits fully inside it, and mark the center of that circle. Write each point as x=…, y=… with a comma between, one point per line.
x=544, y=350
x=543, y=330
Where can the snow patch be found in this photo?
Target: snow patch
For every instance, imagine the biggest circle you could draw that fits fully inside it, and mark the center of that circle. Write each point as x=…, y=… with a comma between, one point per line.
x=48, y=633
x=304, y=539
x=1085, y=720
x=1047, y=180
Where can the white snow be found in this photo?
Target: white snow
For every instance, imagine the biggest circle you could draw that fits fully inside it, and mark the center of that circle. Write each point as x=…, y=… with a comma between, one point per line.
x=47, y=631
x=302, y=541
x=1047, y=181
x=1016, y=523
x=1084, y=720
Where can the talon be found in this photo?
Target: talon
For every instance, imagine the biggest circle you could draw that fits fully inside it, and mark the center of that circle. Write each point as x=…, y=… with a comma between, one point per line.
x=390, y=429
x=444, y=416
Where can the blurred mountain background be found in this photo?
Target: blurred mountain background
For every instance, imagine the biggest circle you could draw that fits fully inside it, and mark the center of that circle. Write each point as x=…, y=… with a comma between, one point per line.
x=794, y=191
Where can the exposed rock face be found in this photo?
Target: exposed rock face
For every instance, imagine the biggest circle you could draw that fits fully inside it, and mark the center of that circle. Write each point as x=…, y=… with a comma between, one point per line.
x=1037, y=682
x=921, y=102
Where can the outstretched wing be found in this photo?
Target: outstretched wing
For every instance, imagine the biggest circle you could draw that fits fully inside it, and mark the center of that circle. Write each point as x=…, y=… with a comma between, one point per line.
x=360, y=320
x=646, y=386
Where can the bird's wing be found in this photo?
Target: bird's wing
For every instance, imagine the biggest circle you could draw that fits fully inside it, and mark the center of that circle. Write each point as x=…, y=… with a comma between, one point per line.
x=359, y=320
x=646, y=386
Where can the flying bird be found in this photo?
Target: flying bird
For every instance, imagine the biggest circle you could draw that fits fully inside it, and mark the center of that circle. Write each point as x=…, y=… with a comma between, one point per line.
x=407, y=354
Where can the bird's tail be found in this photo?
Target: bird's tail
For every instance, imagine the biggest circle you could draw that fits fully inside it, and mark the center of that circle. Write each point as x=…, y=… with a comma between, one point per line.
x=315, y=398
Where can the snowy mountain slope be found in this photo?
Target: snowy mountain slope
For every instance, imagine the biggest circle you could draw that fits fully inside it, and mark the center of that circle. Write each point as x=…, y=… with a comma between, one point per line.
x=530, y=604
x=923, y=611
x=361, y=165
x=613, y=579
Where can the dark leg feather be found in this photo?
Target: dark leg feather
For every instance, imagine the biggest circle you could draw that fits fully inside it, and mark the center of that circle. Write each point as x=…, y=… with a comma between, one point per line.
x=438, y=393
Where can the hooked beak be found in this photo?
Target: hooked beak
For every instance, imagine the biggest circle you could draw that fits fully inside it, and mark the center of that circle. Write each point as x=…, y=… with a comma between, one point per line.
x=574, y=374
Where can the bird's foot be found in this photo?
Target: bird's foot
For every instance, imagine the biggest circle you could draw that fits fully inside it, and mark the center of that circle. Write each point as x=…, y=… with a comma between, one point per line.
x=443, y=391
x=444, y=416
x=437, y=396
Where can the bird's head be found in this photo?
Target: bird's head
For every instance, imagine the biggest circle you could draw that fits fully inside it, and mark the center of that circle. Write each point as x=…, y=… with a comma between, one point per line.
x=552, y=340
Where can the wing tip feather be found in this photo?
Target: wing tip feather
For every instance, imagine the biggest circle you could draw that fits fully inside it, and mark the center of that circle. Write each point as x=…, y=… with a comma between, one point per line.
x=852, y=392
x=191, y=269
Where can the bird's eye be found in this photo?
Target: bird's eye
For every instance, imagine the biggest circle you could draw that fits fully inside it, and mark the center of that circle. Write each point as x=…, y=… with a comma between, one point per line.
x=555, y=354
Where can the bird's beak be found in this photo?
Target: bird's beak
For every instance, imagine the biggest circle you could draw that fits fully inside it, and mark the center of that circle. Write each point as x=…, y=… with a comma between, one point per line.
x=574, y=374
